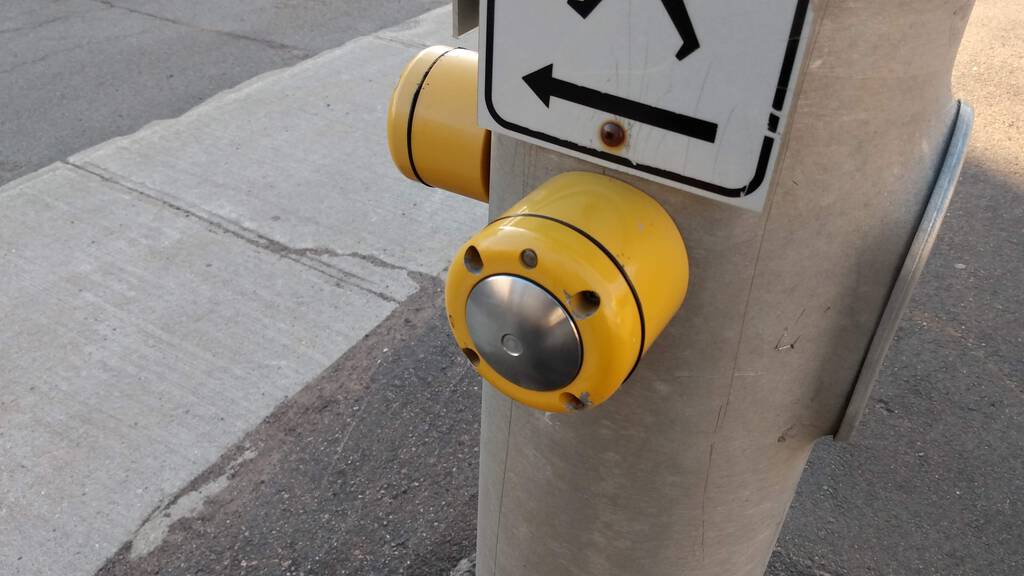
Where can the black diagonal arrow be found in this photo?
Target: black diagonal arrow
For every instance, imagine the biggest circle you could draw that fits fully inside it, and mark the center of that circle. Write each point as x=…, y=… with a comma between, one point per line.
x=676, y=11
x=545, y=86
x=681, y=19
x=584, y=7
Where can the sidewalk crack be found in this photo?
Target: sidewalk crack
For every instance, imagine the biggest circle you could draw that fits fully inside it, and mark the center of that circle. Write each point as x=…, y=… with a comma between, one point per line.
x=73, y=48
x=272, y=44
x=41, y=23
x=307, y=257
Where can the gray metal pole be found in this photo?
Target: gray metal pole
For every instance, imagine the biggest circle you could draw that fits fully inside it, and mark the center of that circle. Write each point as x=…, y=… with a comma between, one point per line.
x=691, y=467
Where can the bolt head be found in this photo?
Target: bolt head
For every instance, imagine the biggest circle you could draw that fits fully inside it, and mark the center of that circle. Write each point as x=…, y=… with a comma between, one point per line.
x=613, y=134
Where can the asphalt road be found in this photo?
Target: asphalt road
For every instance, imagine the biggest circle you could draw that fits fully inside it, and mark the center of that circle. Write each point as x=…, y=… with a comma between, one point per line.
x=371, y=468
x=74, y=73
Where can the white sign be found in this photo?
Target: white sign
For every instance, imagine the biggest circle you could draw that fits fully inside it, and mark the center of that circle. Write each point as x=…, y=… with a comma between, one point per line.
x=701, y=88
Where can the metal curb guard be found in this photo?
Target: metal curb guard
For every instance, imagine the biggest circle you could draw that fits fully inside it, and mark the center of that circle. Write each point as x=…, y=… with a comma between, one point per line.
x=921, y=247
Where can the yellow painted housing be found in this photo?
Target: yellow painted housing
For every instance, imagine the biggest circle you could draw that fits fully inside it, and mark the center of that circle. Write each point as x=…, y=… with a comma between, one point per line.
x=592, y=235
x=432, y=130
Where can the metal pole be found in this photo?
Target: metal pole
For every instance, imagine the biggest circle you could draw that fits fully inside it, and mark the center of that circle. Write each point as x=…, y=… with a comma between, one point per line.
x=690, y=469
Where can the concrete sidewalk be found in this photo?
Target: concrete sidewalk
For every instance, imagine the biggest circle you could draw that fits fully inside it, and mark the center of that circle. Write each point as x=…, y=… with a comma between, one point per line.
x=161, y=293
x=75, y=73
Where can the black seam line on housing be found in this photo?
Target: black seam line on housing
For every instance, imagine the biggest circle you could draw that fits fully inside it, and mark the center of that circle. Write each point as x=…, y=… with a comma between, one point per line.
x=412, y=115
x=622, y=271
x=767, y=145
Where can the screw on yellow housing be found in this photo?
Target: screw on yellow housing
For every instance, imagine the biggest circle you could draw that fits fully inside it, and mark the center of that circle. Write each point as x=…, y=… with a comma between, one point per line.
x=432, y=130
x=556, y=301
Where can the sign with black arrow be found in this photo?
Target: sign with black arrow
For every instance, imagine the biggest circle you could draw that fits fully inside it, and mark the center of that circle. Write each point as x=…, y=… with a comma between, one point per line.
x=698, y=91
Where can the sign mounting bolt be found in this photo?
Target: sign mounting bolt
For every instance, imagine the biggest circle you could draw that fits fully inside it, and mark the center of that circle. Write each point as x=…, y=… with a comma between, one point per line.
x=613, y=134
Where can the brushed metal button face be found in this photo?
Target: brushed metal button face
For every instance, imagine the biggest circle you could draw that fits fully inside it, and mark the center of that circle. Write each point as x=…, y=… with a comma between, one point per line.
x=524, y=333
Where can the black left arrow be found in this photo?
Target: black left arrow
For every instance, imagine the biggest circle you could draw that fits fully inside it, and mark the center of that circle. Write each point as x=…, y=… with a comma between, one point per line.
x=545, y=86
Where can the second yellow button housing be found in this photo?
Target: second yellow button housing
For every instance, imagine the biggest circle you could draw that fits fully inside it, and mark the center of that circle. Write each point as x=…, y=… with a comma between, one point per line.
x=432, y=130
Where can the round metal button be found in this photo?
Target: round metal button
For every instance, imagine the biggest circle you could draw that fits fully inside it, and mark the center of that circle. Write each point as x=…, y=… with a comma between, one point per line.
x=524, y=333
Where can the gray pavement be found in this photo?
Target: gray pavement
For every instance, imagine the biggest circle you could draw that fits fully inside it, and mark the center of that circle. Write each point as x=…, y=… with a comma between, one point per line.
x=164, y=291
x=74, y=73
x=370, y=467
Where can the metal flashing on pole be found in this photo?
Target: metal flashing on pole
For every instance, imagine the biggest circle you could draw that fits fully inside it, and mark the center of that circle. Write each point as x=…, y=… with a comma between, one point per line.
x=935, y=212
